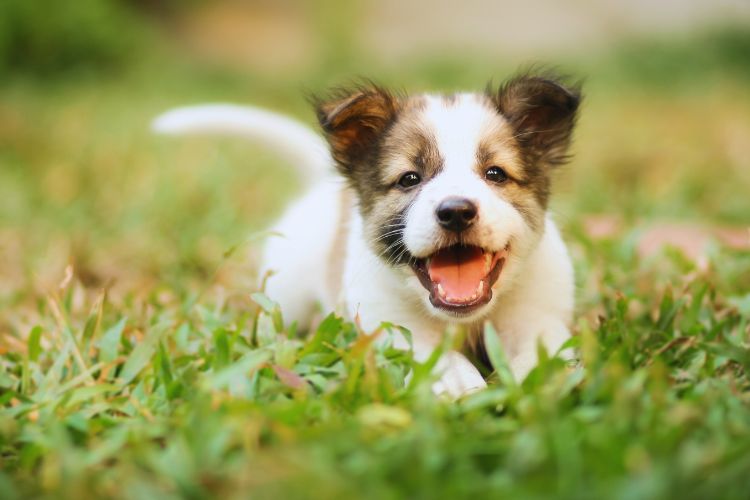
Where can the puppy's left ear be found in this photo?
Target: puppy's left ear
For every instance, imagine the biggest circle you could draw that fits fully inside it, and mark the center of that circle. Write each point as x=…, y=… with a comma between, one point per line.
x=354, y=121
x=543, y=112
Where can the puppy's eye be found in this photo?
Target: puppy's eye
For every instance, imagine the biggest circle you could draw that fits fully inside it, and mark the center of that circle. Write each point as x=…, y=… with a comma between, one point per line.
x=409, y=179
x=496, y=175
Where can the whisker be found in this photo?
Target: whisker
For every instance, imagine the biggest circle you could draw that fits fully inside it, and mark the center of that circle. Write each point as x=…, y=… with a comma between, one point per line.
x=388, y=234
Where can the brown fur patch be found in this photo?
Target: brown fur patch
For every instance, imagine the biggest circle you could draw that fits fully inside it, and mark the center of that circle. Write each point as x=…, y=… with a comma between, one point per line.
x=408, y=146
x=502, y=150
x=354, y=120
x=528, y=186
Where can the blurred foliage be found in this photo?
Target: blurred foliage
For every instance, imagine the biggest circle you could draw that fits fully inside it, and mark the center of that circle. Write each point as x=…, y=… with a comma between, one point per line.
x=47, y=38
x=679, y=61
x=43, y=37
x=170, y=396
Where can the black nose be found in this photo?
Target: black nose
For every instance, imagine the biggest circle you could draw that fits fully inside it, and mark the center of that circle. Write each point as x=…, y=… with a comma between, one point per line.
x=456, y=214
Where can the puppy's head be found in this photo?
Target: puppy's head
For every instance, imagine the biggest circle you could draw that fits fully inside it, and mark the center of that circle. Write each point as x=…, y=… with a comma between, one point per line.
x=453, y=189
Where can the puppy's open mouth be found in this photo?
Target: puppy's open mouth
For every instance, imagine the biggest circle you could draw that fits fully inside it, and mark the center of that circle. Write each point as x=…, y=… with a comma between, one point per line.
x=460, y=277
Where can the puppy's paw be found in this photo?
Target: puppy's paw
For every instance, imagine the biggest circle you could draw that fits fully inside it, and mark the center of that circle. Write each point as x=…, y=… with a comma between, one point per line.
x=553, y=335
x=458, y=376
x=522, y=364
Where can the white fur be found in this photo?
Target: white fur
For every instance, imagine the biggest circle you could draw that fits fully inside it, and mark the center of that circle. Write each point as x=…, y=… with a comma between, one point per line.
x=296, y=255
x=294, y=141
x=532, y=300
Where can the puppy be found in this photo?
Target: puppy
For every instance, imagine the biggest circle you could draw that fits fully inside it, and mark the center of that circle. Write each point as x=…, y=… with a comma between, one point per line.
x=441, y=221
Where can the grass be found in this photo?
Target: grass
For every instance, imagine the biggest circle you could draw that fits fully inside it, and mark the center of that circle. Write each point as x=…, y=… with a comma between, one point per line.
x=173, y=396
x=139, y=361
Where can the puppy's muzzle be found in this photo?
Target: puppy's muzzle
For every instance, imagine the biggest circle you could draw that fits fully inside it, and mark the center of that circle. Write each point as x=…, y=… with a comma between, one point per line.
x=456, y=214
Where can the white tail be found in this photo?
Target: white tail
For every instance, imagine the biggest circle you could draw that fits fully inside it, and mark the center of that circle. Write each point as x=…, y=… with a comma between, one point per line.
x=293, y=140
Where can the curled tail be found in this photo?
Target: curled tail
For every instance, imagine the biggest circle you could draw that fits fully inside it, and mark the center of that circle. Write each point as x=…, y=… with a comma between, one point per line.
x=294, y=141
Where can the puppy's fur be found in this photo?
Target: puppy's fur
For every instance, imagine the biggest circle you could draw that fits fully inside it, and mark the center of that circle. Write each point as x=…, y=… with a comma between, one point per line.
x=380, y=245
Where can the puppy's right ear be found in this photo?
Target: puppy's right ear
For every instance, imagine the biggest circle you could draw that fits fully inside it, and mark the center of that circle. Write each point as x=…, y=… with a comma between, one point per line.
x=354, y=121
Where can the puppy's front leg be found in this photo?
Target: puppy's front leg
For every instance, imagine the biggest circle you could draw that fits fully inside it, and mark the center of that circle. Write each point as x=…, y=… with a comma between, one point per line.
x=457, y=375
x=551, y=332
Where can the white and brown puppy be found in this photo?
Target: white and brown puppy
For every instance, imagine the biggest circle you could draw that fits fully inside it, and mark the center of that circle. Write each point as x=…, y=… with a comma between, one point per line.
x=442, y=219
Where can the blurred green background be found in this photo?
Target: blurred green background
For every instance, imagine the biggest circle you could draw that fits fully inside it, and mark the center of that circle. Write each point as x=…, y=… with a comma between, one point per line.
x=664, y=133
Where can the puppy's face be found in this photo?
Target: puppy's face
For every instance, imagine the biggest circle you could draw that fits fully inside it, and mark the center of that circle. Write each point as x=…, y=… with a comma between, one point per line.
x=453, y=189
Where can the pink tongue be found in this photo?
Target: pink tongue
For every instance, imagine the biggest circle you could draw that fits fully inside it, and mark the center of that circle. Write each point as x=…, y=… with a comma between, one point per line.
x=458, y=270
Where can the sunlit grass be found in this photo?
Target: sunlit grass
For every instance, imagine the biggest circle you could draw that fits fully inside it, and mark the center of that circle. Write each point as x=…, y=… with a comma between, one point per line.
x=166, y=395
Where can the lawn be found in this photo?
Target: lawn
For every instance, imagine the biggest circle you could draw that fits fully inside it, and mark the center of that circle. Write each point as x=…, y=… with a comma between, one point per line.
x=139, y=359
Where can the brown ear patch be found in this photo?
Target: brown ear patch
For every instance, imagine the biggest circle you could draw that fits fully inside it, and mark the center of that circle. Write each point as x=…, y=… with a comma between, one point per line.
x=354, y=120
x=542, y=111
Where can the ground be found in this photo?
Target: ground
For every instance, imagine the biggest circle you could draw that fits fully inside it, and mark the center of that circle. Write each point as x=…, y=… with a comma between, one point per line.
x=138, y=359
